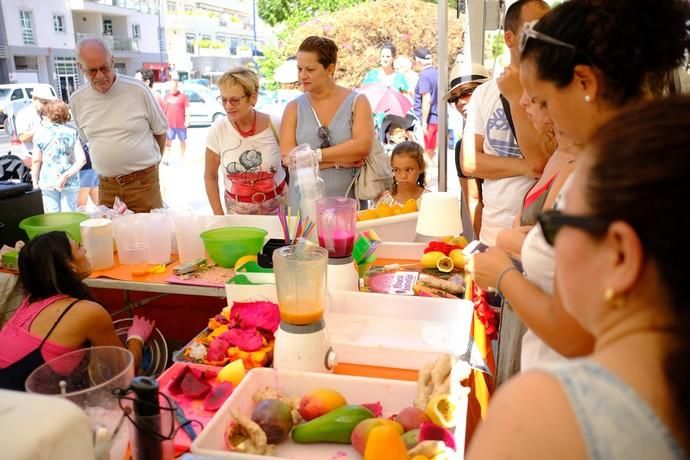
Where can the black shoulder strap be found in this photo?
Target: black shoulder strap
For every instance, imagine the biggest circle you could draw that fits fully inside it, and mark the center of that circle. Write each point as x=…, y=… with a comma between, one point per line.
x=509, y=116
x=64, y=312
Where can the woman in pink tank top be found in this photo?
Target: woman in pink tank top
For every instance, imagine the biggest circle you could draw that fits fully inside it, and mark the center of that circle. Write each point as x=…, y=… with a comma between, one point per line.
x=58, y=314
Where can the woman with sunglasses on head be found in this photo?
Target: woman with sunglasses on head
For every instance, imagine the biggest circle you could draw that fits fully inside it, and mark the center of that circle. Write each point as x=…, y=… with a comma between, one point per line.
x=623, y=279
x=576, y=65
x=336, y=123
x=59, y=313
x=245, y=147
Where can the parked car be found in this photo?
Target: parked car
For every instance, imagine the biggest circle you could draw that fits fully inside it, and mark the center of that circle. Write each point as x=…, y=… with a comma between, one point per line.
x=16, y=96
x=204, y=108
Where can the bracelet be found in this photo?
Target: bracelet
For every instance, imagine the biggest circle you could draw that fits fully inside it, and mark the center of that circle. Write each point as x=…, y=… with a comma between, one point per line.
x=134, y=337
x=500, y=277
x=319, y=155
x=337, y=165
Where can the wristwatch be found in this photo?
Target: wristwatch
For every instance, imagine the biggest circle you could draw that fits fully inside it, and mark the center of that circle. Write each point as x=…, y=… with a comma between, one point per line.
x=319, y=155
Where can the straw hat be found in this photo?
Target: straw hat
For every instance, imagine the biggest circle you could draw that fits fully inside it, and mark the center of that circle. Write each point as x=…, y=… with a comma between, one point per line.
x=462, y=74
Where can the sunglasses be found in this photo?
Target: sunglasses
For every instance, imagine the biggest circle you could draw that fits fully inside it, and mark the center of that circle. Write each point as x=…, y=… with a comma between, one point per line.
x=529, y=32
x=105, y=69
x=551, y=222
x=324, y=134
x=463, y=95
x=233, y=101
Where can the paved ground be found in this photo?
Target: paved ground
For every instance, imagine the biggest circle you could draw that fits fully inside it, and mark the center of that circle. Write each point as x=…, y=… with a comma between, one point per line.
x=183, y=179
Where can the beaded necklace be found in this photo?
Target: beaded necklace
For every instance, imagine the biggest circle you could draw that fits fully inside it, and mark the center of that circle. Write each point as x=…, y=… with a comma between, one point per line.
x=251, y=131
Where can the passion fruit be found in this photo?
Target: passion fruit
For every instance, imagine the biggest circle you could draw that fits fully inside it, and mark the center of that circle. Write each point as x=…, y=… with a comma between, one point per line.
x=445, y=264
x=274, y=418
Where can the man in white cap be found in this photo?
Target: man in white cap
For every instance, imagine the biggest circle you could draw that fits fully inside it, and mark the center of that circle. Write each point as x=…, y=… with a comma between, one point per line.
x=463, y=80
x=124, y=126
x=28, y=120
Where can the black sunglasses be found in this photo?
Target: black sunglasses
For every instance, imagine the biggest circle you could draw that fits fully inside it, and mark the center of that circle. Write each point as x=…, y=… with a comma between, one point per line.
x=463, y=95
x=324, y=134
x=552, y=222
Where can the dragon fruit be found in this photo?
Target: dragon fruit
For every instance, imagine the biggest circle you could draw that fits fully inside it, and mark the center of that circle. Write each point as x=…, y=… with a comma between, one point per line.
x=259, y=315
x=245, y=339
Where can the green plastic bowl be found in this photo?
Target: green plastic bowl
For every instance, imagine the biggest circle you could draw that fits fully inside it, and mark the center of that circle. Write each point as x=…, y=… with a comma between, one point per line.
x=227, y=244
x=44, y=223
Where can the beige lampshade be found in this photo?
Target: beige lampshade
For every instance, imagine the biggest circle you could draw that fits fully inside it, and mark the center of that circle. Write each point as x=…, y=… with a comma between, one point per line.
x=439, y=215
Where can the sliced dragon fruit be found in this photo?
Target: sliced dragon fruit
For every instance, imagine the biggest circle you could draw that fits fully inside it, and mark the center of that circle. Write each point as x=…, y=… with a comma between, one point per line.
x=193, y=387
x=217, y=396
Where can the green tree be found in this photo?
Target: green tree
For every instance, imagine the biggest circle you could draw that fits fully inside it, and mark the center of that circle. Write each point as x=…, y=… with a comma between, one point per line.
x=295, y=12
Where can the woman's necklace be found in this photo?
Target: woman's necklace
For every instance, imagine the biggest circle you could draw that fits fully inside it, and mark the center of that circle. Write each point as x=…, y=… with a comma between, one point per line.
x=251, y=131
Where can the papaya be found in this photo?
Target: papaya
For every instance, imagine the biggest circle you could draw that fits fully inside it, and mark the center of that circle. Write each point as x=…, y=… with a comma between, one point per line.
x=385, y=443
x=334, y=426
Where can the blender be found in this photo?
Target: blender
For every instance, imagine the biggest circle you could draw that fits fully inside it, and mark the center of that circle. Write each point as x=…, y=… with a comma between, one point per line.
x=301, y=341
x=335, y=225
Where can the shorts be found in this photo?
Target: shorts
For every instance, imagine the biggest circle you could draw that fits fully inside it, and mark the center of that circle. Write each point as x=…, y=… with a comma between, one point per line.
x=88, y=178
x=430, y=137
x=180, y=133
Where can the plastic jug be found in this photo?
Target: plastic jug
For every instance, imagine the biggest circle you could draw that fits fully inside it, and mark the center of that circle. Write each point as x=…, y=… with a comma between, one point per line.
x=158, y=240
x=97, y=237
x=187, y=230
x=336, y=220
x=130, y=236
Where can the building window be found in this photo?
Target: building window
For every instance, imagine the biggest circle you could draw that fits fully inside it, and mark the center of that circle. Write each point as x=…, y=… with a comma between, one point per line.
x=172, y=7
x=107, y=27
x=190, y=39
x=58, y=23
x=136, y=31
x=27, y=23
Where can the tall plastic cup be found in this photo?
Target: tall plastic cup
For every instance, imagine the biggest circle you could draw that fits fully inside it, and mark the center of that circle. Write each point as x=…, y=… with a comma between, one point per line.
x=158, y=238
x=97, y=237
x=188, y=229
x=300, y=272
x=130, y=236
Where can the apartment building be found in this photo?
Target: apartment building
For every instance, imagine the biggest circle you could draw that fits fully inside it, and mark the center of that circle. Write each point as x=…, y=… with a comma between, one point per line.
x=205, y=38
x=41, y=36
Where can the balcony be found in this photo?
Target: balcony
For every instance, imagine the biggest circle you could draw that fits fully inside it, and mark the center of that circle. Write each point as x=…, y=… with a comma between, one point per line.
x=116, y=42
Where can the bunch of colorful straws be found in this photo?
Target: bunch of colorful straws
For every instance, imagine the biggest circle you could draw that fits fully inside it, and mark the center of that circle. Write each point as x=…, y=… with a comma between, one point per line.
x=302, y=229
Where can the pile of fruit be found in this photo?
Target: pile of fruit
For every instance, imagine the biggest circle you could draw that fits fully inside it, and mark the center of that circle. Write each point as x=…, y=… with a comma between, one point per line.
x=244, y=331
x=209, y=386
x=446, y=255
x=385, y=210
x=324, y=416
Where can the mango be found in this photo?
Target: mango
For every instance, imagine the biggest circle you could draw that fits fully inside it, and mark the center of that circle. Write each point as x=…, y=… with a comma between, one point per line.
x=361, y=433
x=335, y=426
x=233, y=372
x=385, y=443
x=411, y=418
x=320, y=401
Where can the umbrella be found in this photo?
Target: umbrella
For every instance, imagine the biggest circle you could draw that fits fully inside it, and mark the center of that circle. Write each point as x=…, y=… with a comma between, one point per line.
x=385, y=99
x=286, y=72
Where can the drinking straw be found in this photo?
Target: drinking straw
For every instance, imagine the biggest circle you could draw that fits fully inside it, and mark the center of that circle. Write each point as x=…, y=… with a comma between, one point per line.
x=298, y=228
x=308, y=229
x=283, y=225
x=289, y=216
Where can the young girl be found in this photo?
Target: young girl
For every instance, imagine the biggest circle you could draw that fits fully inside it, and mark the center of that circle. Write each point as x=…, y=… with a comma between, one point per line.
x=407, y=161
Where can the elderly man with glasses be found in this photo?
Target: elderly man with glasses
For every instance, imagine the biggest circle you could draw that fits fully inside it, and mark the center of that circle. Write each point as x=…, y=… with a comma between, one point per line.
x=124, y=126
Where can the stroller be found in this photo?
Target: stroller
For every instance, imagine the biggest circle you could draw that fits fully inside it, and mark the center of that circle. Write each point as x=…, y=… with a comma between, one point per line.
x=410, y=123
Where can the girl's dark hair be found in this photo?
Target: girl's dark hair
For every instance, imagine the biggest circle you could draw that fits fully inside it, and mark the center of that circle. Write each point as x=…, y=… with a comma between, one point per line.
x=391, y=47
x=416, y=151
x=325, y=49
x=44, y=268
x=641, y=175
x=633, y=43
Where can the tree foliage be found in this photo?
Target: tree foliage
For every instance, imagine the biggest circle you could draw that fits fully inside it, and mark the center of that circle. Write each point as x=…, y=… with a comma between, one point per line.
x=360, y=30
x=297, y=11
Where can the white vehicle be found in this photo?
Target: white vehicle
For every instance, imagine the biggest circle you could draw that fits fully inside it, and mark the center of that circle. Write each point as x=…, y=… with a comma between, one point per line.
x=16, y=96
x=203, y=108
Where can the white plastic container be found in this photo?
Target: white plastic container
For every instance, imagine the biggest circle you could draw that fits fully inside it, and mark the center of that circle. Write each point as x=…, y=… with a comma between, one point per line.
x=402, y=227
x=130, y=236
x=394, y=395
x=158, y=238
x=188, y=229
x=97, y=236
x=264, y=288
x=397, y=331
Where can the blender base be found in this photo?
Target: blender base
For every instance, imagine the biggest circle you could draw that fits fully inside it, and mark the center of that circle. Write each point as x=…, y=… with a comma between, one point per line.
x=303, y=348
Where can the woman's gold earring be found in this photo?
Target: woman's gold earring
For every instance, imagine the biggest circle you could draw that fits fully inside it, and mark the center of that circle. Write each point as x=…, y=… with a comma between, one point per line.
x=612, y=300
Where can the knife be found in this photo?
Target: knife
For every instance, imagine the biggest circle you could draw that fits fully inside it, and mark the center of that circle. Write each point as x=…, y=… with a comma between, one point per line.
x=184, y=422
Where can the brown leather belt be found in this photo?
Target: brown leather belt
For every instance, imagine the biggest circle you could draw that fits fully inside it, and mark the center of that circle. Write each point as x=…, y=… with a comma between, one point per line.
x=124, y=179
